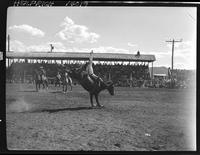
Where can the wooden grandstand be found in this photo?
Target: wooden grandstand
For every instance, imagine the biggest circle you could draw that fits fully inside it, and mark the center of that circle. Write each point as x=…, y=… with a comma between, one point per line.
x=52, y=57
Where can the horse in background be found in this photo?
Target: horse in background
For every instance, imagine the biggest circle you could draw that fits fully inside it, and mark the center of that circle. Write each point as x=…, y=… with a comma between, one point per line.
x=58, y=80
x=90, y=85
x=40, y=79
x=66, y=81
x=171, y=82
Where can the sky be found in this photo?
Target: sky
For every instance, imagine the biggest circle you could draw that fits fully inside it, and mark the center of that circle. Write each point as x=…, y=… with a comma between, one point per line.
x=107, y=30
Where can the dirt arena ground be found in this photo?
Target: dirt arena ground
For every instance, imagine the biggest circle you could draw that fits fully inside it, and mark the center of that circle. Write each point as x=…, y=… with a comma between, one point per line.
x=134, y=119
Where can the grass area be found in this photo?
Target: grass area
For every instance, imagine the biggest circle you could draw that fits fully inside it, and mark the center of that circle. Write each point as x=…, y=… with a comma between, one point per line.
x=135, y=119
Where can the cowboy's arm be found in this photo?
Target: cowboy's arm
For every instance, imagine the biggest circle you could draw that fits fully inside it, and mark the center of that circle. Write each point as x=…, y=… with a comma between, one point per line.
x=91, y=57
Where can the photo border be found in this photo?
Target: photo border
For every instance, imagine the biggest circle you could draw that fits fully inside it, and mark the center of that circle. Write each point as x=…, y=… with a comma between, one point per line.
x=3, y=19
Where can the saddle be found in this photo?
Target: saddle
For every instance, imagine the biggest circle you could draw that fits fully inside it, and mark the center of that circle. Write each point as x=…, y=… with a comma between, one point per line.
x=97, y=79
x=94, y=79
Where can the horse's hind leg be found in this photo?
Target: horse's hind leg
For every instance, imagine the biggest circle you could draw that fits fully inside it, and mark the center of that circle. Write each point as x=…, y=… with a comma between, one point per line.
x=43, y=85
x=47, y=85
x=63, y=87
x=55, y=83
x=97, y=100
x=71, y=86
x=36, y=85
x=91, y=99
x=66, y=88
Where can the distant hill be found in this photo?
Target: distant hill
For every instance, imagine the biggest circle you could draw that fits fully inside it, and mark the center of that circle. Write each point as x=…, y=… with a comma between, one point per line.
x=160, y=70
x=164, y=70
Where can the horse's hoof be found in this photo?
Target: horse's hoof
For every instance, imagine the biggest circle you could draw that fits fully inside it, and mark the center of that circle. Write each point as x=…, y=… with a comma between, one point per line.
x=100, y=106
x=93, y=107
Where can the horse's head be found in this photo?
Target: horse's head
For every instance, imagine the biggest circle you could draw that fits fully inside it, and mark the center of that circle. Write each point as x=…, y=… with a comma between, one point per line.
x=110, y=88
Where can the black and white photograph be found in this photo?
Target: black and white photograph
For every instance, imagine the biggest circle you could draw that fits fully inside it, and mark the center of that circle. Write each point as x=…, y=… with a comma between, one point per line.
x=101, y=78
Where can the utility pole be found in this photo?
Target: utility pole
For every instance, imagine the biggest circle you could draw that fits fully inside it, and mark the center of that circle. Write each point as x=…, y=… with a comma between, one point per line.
x=8, y=43
x=8, y=50
x=173, y=41
x=172, y=67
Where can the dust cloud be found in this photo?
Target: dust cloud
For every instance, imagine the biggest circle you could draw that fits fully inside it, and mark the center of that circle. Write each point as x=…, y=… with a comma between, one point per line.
x=20, y=105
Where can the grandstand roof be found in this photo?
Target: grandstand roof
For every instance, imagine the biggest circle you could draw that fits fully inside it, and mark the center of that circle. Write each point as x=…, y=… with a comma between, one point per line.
x=80, y=56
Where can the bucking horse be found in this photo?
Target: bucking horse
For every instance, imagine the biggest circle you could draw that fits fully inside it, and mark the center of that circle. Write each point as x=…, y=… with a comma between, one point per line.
x=91, y=85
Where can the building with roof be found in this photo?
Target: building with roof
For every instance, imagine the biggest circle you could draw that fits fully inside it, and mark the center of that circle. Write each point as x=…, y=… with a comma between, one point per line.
x=52, y=57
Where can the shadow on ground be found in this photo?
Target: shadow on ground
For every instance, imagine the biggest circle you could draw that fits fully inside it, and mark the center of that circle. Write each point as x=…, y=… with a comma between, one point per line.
x=62, y=109
x=28, y=91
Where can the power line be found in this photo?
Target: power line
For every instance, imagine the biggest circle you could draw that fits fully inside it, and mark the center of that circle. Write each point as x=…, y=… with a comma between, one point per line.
x=171, y=76
x=173, y=41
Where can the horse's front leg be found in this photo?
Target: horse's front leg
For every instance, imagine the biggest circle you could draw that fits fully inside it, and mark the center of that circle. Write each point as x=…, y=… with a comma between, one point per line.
x=65, y=87
x=71, y=86
x=97, y=100
x=47, y=84
x=91, y=99
x=55, y=83
x=43, y=84
x=59, y=83
x=36, y=85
